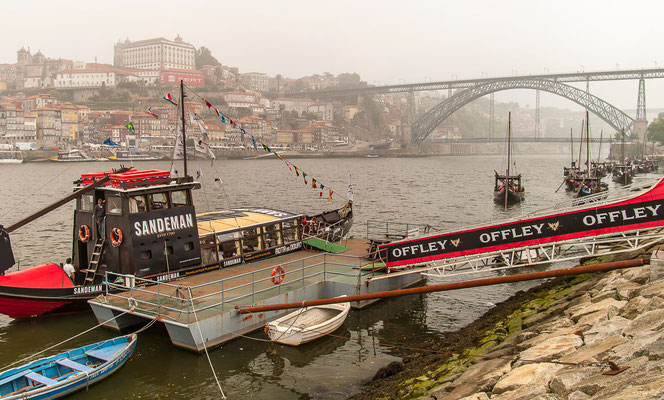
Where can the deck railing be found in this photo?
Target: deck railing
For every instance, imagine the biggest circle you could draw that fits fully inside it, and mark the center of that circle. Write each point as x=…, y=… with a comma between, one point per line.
x=395, y=230
x=177, y=302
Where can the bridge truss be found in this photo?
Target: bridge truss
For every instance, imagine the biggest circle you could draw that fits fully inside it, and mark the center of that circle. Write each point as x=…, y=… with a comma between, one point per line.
x=424, y=125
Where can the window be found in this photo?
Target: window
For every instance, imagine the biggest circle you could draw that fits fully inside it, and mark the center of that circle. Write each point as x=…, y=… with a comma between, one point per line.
x=208, y=249
x=250, y=241
x=290, y=231
x=272, y=235
x=146, y=255
x=114, y=205
x=158, y=201
x=87, y=202
x=137, y=204
x=179, y=198
x=229, y=244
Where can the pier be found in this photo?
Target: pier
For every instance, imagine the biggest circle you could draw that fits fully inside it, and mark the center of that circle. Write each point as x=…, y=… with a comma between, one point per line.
x=201, y=311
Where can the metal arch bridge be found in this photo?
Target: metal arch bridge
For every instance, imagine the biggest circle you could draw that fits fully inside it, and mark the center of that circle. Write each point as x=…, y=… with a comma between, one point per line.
x=424, y=125
x=589, y=76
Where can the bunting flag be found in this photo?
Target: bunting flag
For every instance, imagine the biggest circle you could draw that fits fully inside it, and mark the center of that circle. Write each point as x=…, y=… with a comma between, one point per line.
x=207, y=103
x=174, y=172
x=130, y=126
x=321, y=194
x=297, y=171
x=253, y=141
x=149, y=111
x=203, y=131
x=288, y=165
x=322, y=187
x=275, y=153
x=329, y=198
x=199, y=173
x=313, y=183
x=218, y=182
x=202, y=147
x=304, y=175
x=169, y=99
x=193, y=118
x=109, y=142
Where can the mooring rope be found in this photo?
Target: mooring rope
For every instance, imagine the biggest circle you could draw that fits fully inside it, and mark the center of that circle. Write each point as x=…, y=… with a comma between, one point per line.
x=63, y=342
x=198, y=325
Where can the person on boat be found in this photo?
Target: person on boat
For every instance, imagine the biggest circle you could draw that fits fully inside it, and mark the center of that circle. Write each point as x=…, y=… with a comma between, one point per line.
x=100, y=213
x=69, y=269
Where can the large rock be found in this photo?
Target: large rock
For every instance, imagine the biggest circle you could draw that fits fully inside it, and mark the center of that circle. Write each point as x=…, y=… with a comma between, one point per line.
x=480, y=377
x=564, y=381
x=476, y=396
x=653, y=289
x=591, y=319
x=648, y=321
x=594, y=307
x=654, y=389
x=604, y=329
x=532, y=376
x=634, y=375
x=608, y=293
x=638, y=346
x=634, y=307
x=552, y=348
x=639, y=275
x=628, y=290
x=578, y=395
x=595, y=351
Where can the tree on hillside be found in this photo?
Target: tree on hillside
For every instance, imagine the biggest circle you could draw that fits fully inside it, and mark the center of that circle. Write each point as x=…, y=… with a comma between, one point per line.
x=656, y=130
x=347, y=80
x=204, y=57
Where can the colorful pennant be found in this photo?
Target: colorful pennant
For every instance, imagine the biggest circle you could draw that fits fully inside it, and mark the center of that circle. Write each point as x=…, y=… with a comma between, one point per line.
x=150, y=112
x=130, y=126
x=169, y=99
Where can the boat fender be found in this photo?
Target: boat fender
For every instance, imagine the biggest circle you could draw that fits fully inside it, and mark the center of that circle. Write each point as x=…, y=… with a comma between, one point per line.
x=278, y=274
x=84, y=233
x=116, y=237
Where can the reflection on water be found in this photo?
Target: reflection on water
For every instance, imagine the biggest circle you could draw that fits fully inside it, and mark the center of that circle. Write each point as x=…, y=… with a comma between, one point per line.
x=446, y=192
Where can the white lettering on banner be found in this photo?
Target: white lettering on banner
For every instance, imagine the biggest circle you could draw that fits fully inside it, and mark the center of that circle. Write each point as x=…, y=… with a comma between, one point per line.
x=165, y=224
x=232, y=261
x=419, y=249
x=168, y=277
x=285, y=249
x=622, y=215
x=512, y=233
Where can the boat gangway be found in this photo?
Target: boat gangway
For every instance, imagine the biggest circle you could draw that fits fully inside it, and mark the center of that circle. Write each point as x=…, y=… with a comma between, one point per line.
x=201, y=310
x=626, y=221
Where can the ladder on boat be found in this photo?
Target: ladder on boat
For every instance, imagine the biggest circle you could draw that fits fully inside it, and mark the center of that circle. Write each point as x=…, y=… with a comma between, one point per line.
x=91, y=271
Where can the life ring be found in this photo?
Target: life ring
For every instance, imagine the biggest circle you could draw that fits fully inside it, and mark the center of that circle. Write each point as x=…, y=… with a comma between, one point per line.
x=278, y=274
x=84, y=233
x=116, y=237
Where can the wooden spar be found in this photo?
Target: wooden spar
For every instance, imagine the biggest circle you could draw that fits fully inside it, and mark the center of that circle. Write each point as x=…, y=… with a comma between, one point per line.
x=184, y=134
x=581, y=144
x=59, y=203
x=453, y=286
x=599, y=153
x=571, y=143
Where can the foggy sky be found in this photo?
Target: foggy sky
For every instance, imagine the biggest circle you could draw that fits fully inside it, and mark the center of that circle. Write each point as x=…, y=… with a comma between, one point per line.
x=386, y=42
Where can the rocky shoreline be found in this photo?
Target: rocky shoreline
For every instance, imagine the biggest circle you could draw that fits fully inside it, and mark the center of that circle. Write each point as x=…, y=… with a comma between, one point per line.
x=552, y=342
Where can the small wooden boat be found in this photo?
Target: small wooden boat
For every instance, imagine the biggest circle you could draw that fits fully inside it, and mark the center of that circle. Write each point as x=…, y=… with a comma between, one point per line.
x=59, y=375
x=303, y=326
x=507, y=188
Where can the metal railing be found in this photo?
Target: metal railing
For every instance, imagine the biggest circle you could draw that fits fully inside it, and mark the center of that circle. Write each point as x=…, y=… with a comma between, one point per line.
x=176, y=302
x=395, y=230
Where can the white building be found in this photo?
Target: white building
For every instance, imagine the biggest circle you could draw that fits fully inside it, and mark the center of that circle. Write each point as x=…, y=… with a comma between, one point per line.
x=298, y=105
x=156, y=54
x=89, y=78
x=257, y=81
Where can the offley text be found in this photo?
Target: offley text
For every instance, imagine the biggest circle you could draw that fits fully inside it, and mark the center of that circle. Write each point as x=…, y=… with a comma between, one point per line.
x=511, y=233
x=621, y=215
x=419, y=249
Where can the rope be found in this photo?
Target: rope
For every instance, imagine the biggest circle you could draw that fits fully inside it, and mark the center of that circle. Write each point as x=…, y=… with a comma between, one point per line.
x=302, y=309
x=223, y=396
x=41, y=187
x=62, y=342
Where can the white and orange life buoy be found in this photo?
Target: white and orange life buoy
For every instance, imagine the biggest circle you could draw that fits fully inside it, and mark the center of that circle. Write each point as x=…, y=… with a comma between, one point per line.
x=116, y=237
x=278, y=274
x=84, y=233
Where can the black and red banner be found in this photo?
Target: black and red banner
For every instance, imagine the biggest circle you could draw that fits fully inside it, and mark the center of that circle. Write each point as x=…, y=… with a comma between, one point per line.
x=644, y=210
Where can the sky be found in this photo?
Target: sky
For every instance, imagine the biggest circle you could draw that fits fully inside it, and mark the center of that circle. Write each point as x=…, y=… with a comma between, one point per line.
x=386, y=42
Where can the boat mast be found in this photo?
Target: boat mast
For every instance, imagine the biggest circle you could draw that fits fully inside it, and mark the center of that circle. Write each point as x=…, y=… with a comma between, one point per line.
x=571, y=143
x=587, y=145
x=599, y=153
x=509, y=156
x=184, y=134
x=581, y=143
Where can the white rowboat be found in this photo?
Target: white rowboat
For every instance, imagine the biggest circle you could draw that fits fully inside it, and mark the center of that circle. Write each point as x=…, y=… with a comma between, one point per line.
x=305, y=325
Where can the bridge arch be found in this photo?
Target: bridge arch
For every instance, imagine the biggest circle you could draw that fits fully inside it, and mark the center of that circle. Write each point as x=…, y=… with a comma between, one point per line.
x=423, y=126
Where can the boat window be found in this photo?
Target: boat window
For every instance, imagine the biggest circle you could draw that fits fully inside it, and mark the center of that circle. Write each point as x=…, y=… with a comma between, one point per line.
x=272, y=235
x=87, y=202
x=146, y=255
x=290, y=231
x=208, y=250
x=229, y=244
x=179, y=198
x=158, y=201
x=114, y=205
x=250, y=241
x=137, y=204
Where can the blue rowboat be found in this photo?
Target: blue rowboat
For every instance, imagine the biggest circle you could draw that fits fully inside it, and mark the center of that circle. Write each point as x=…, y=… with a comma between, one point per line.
x=59, y=375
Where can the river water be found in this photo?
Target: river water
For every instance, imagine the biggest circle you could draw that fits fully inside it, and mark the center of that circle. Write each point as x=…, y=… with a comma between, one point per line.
x=445, y=192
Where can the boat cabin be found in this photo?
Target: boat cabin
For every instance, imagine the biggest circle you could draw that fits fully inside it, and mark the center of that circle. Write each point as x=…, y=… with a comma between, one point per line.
x=239, y=235
x=148, y=225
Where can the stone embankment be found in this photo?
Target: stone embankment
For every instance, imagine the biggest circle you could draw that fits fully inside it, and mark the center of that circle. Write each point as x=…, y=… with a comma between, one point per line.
x=555, y=344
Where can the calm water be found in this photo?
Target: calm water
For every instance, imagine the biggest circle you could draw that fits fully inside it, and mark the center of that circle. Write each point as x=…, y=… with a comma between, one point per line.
x=446, y=192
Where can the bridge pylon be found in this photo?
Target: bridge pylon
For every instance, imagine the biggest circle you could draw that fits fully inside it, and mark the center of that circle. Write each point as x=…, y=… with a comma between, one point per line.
x=641, y=121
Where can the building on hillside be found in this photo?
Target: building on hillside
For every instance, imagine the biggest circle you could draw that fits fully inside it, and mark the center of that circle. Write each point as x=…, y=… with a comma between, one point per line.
x=49, y=126
x=37, y=101
x=256, y=81
x=69, y=122
x=351, y=111
x=322, y=111
x=188, y=76
x=158, y=54
x=37, y=71
x=299, y=105
x=93, y=78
